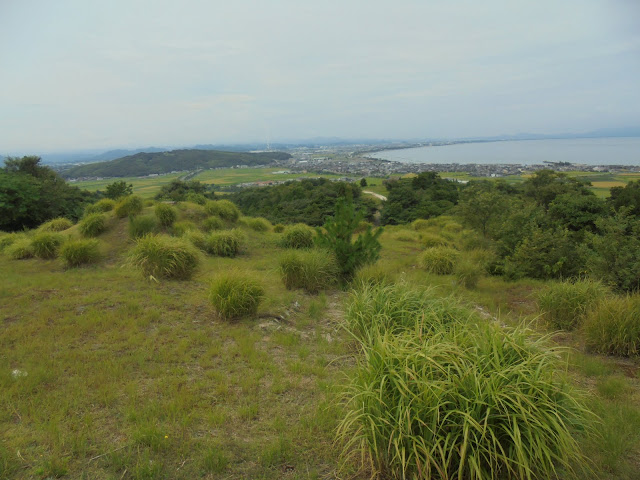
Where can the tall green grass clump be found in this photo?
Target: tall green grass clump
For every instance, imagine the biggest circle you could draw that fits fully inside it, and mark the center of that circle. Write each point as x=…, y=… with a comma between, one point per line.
x=420, y=224
x=46, y=244
x=20, y=249
x=235, y=295
x=297, y=236
x=80, y=252
x=257, y=224
x=613, y=327
x=129, y=206
x=311, y=270
x=93, y=225
x=213, y=223
x=101, y=206
x=224, y=244
x=197, y=238
x=374, y=275
x=430, y=240
x=374, y=311
x=142, y=225
x=7, y=239
x=161, y=256
x=192, y=211
x=471, y=402
x=165, y=214
x=564, y=305
x=224, y=209
x=439, y=260
x=278, y=228
x=56, y=225
x=468, y=272
x=180, y=228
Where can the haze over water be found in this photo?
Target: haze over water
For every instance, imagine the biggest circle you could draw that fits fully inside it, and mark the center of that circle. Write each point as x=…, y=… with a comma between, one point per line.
x=587, y=151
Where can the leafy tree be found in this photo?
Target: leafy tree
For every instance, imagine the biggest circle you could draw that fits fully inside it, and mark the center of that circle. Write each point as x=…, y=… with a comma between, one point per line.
x=545, y=185
x=481, y=203
x=363, y=182
x=338, y=234
x=627, y=196
x=118, y=189
x=19, y=201
x=177, y=190
x=577, y=212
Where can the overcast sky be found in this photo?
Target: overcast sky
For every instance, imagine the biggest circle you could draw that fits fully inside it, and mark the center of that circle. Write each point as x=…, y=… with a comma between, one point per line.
x=126, y=73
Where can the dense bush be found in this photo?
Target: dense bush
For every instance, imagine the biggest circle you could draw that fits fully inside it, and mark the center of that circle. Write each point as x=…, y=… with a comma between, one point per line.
x=311, y=270
x=224, y=244
x=93, y=225
x=224, y=209
x=235, y=295
x=161, y=256
x=129, y=206
x=166, y=214
x=46, y=244
x=20, y=249
x=56, y=225
x=613, y=327
x=297, y=236
x=565, y=305
x=439, y=260
x=80, y=252
x=101, y=206
x=213, y=223
x=470, y=402
x=142, y=225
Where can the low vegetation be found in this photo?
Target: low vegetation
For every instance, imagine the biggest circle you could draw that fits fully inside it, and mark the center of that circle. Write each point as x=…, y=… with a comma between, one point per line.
x=46, y=244
x=129, y=206
x=166, y=214
x=564, y=305
x=613, y=326
x=235, y=295
x=439, y=260
x=297, y=236
x=224, y=244
x=79, y=252
x=56, y=225
x=312, y=270
x=141, y=225
x=93, y=225
x=161, y=256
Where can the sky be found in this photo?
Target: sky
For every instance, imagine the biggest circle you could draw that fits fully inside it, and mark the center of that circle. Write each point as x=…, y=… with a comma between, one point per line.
x=80, y=74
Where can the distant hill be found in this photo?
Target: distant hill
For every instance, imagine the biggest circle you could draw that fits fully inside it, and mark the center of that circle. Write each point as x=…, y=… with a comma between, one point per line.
x=147, y=163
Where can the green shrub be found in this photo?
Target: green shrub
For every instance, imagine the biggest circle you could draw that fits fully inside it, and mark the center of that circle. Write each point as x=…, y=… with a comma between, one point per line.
x=180, y=228
x=129, y=206
x=278, y=228
x=452, y=227
x=161, y=256
x=430, y=240
x=80, y=252
x=56, y=225
x=224, y=209
x=297, y=236
x=20, y=249
x=46, y=244
x=377, y=310
x=471, y=402
x=565, y=305
x=198, y=198
x=192, y=211
x=311, y=270
x=614, y=326
x=258, y=224
x=7, y=239
x=101, y=206
x=142, y=225
x=224, y=244
x=235, y=295
x=213, y=223
x=420, y=224
x=197, y=238
x=93, y=225
x=166, y=214
x=439, y=260
x=468, y=272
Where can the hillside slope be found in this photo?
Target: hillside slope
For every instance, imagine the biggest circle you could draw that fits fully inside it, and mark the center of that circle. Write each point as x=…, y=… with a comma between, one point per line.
x=175, y=160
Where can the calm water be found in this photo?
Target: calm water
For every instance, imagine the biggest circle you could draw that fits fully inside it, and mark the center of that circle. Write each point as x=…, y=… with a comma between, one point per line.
x=588, y=151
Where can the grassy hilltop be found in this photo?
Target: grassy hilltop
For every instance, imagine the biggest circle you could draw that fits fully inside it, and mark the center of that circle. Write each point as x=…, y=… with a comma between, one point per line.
x=112, y=369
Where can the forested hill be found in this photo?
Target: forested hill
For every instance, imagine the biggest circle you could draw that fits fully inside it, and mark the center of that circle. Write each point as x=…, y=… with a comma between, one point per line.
x=165, y=162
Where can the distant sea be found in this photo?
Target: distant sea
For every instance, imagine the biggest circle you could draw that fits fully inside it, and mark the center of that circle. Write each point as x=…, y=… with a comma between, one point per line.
x=587, y=151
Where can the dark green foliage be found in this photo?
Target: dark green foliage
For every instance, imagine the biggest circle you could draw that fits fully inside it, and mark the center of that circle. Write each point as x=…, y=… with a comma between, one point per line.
x=46, y=244
x=481, y=204
x=161, y=256
x=224, y=244
x=614, y=326
x=545, y=185
x=31, y=194
x=577, y=212
x=337, y=235
x=167, y=162
x=626, y=197
x=93, y=225
x=118, y=189
x=191, y=191
x=235, y=295
x=224, y=209
x=129, y=206
x=363, y=182
x=80, y=252
x=142, y=225
x=308, y=201
x=312, y=270
x=297, y=236
x=424, y=196
x=166, y=214
x=56, y=225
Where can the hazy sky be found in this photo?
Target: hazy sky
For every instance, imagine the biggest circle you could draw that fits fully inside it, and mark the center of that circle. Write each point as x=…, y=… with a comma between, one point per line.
x=117, y=73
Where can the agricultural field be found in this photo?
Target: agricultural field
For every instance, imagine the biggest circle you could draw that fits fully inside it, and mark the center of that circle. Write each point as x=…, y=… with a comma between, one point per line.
x=115, y=370
x=145, y=187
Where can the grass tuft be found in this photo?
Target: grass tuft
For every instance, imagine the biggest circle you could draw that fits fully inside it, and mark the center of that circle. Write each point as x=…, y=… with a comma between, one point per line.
x=20, y=249
x=93, y=225
x=80, y=252
x=564, y=305
x=142, y=225
x=101, y=206
x=56, y=225
x=224, y=244
x=311, y=270
x=613, y=327
x=166, y=214
x=46, y=244
x=213, y=223
x=224, y=209
x=235, y=295
x=439, y=260
x=297, y=236
x=129, y=206
x=161, y=256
